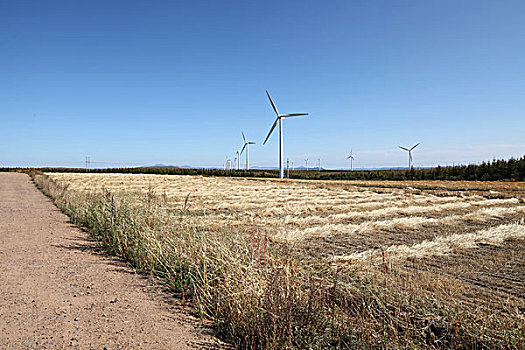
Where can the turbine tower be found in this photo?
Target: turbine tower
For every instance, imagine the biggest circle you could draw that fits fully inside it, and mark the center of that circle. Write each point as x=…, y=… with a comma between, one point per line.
x=409, y=154
x=279, y=119
x=351, y=157
x=246, y=143
x=306, y=161
x=238, y=159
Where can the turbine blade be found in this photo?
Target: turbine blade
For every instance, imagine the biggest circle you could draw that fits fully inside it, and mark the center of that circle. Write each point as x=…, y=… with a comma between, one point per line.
x=271, y=130
x=417, y=144
x=243, y=148
x=406, y=149
x=273, y=104
x=251, y=143
x=244, y=138
x=348, y=157
x=292, y=115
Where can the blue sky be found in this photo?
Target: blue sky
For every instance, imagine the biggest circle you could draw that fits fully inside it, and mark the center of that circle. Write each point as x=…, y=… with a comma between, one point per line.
x=139, y=83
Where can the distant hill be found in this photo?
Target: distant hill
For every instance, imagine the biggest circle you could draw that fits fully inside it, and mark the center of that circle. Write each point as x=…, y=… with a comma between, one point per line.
x=167, y=166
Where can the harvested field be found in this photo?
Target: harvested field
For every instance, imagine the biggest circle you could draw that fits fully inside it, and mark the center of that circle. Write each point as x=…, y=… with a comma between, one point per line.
x=485, y=188
x=459, y=244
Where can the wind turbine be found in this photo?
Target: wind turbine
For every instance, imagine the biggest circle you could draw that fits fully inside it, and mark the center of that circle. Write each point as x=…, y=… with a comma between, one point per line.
x=409, y=154
x=238, y=159
x=351, y=157
x=228, y=164
x=306, y=160
x=246, y=143
x=279, y=119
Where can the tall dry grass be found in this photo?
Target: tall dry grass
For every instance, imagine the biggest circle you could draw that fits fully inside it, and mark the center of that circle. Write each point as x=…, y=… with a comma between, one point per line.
x=260, y=295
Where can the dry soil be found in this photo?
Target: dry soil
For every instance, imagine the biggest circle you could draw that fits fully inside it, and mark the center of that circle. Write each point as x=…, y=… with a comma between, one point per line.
x=58, y=289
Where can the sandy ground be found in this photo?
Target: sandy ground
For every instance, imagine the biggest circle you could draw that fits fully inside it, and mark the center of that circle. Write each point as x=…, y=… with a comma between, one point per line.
x=58, y=290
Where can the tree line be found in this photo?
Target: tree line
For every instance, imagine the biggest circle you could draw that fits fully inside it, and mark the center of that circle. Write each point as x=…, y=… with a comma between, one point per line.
x=495, y=170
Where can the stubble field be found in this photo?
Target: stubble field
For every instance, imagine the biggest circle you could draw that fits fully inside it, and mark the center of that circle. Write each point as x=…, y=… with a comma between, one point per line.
x=456, y=244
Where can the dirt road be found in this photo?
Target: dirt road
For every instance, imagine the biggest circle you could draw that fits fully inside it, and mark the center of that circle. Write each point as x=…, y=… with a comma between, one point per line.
x=58, y=290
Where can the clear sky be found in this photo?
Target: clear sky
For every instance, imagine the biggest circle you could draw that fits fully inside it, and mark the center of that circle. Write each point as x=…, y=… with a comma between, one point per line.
x=175, y=82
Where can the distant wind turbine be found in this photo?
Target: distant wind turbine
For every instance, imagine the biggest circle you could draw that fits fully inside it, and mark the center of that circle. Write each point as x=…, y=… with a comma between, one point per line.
x=228, y=164
x=409, y=154
x=238, y=159
x=279, y=119
x=306, y=160
x=246, y=144
x=351, y=157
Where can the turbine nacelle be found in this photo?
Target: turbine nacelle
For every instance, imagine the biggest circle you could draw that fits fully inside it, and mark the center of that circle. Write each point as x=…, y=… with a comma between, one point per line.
x=410, y=149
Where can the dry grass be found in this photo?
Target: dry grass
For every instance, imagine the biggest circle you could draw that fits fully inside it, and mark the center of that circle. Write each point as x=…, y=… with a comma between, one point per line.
x=401, y=224
x=232, y=245
x=439, y=246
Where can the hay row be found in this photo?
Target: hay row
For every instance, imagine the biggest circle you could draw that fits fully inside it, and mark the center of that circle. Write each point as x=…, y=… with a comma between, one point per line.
x=439, y=246
x=405, y=223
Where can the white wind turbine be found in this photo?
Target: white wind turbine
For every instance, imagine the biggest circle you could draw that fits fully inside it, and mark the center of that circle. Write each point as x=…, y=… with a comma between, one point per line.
x=246, y=144
x=279, y=119
x=306, y=161
x=351, y=157
x=238, y=159
x=409, y=154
